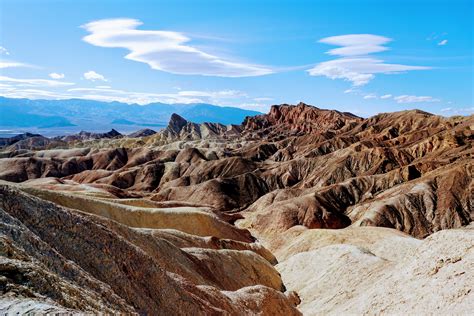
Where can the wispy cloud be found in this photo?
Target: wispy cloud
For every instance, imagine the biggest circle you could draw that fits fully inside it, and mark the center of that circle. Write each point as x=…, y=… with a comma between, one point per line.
x=55, y=75
x=355, y=65
x=165, y=50
x=7, y=63
x=224, y=94
x=109, y=94
x=386, y=96
x=94, y=76
x=434, y=36
x=414, y=99
x=260, y=107
x=370, y=96
x=34, y=94
x=443, y=42
x=35, y=82
x=4, y=51
x=458, y=111
x=262, y=99
x=12, y=64
x=351, y=90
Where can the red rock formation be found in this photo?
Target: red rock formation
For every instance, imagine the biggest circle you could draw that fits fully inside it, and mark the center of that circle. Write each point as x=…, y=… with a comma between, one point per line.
x=298, y=119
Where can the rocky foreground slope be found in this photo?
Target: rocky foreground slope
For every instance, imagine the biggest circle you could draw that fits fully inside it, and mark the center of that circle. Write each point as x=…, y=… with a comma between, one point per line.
x=350, y=213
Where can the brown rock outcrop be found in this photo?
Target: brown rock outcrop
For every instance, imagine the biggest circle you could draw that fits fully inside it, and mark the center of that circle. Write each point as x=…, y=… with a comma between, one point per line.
x=299, y=119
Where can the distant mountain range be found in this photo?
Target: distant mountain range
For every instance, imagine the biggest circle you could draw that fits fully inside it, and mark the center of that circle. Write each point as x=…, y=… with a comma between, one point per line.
x=96, y=115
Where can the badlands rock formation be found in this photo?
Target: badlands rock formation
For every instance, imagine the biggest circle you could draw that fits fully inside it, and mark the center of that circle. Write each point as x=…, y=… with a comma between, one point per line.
x=142, y=133
x=84, y=135
x=60, y=259
x=355, y=215
x=7, y=141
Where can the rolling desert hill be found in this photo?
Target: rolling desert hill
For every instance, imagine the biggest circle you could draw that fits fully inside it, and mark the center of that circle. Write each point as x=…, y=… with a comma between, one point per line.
x=301, y=210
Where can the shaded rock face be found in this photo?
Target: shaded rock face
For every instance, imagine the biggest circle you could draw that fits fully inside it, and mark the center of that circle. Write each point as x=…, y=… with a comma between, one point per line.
x=176, y=123
x=83, y=135
x=180, y=129
x=7, y=141
x=205, y=194
x=29, y=141
x=142, y=133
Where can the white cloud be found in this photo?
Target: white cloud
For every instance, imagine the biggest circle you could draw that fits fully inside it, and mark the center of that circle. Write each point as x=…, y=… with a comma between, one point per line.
x=355, y=65
x=352, y=90
x=434, y=36
x=35, y=82
x=443, y=42
x=55, y=75
x=386, y=96
x=34, y=94
x=103, y=87
x=338, y=69
x=165, y=50
x=11, y=64
x=107, y=90
x=458, y=111
x=93, y=76
x=466, y=110
x=356, y=44
x=260, y=107
x=370, y=96
x=414, y=99
x=107, y=94
x=4, y=51
x=213, y=94
x=262, y=99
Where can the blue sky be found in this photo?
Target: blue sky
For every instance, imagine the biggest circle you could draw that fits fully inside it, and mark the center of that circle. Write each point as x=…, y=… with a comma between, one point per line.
x=360, y=56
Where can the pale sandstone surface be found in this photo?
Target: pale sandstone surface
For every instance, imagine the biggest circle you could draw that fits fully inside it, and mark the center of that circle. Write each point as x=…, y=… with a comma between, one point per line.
x=435, y=277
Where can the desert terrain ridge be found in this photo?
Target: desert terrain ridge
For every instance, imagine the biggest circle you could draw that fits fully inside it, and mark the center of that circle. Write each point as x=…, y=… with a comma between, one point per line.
x=298, y=211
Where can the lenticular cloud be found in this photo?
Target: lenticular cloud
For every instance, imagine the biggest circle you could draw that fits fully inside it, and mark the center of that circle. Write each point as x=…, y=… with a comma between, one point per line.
x=355, y=65
x=165, y=50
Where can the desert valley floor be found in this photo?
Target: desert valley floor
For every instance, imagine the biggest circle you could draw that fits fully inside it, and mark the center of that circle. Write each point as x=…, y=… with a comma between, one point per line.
x=301, y=210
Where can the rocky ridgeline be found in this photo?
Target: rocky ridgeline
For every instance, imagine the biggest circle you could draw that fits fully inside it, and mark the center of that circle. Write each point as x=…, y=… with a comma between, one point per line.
x=299, y=119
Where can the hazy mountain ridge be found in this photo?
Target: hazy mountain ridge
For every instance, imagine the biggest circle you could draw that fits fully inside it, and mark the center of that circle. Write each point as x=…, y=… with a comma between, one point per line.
x=87, y=114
